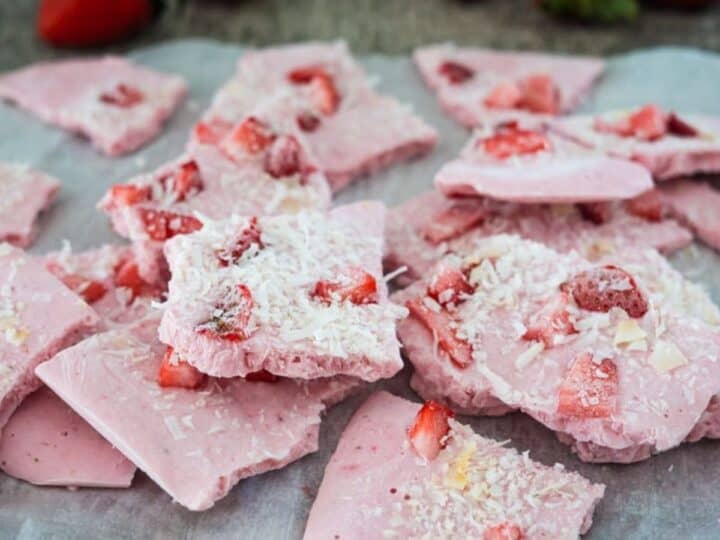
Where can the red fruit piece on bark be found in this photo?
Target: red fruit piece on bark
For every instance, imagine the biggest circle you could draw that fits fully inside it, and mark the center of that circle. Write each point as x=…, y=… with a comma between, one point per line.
x=184, y=181
x=90, y=290
x=211, y=131
x=161, y=225
x=251, y=134
x=325, y=94
x=430, y=428
x=647, y=205
x=504, y=531
x=123, y=96
x=506, y=95
x=551, y=321
x=127, y=275
x=262, y=376
x=449, y=285
x=249, y=236
x=455, y=72
x=595, y=212
x=356, y=286
x=515, y=142
x=589, y=389
x=175, y=372
x=308, y=122
x=455, y=220
x=604, y=288
x=284, y=157
x=230, y=320
x=678, y=127
x=438, y=323
x=648, y=123
x=129, y=194
x=539, y=94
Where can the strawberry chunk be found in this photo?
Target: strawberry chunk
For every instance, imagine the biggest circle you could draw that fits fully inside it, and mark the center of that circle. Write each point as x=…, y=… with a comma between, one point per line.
x=504, y=531
x=438, y=323
x=356, y=286
x=230, y=320
x=212, y=131
x=128, y=194
x=175, y=372
x=515, y=142
x=308, y=122
x=595, y=212
x=284, y=158
x=539, y=94
x=449, y=285
x=463, y=215
x=262, y=376
x=123, y=96
x=589, y=389
x=305, y=75
x=430, y=428
x=91, y=291
x=325, y=94
x=604, y=288
x=455, y=72
x=249, y=236
x=127, y=275
x=551, y=321
x=648, y=123
x=647, y=205
x=161, y=225
x=678, y=127
x=506, y=95
x=252, y=135
x=184, y=181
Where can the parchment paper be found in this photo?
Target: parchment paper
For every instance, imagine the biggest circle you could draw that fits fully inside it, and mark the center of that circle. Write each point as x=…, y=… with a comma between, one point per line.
x=675, y=495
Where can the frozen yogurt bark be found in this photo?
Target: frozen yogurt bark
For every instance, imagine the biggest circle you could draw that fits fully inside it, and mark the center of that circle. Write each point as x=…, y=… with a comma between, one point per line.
x=402, y=470
x=297, y=295
x=697, y=205
x=116, y=104
x=481, y=86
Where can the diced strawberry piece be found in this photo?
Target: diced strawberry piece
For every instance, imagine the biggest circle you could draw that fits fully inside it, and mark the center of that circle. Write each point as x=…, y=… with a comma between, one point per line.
x=504, y=531
x=539, y=94
x=284, y=157
x=595, y=212
x=449, y=285
x=262, y=376
x=463, y=215
x=123, y=96
x=551, y=321
x=184, y=181
x=308, y=122
x=127, y=275
x=429, y=431
x=128, y=194
x=356, y=286
x=177, y=373
x=455, y=72
x=438, y=323
x=604, y=288
x=621, y=127
x=90, y=290
x=515, y=142
x=325, y=94
x=305, y=75
x=648, y=123
x=253, y=135
x=231, y=320
x=647, y=205
x=589, y=389
x=678, y=127
x=161, y=225
x=249, y=236
x=505, y=95
x=211, y=132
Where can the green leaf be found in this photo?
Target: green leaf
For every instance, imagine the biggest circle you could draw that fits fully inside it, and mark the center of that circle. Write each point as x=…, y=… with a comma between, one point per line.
x=594, y=10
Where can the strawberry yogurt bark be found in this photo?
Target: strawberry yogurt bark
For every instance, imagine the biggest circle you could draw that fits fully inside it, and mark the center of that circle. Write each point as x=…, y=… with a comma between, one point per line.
x=24, y=193
x=697, y=205
x=117, y=105
x=479, y=86
x=297, y=295
x=38, y=317
x=195, y=437
x=47, y=444
x=666, y=143
x=425, y=228
x=402, y=470
x=511, y=163
x=350, y=128
x=620, y=358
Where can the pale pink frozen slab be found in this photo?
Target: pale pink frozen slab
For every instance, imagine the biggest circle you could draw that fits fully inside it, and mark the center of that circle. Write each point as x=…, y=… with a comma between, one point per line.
x=195, y=444
x=658, y=403
x=564, y=173
x=697, y=205
x=667, y=157
x=69, y=94
x=375, y=485
x=574, y=77
x=24, y=193
x=47, y=444
x=38, y=317
x=290, y=332
x=559, y=226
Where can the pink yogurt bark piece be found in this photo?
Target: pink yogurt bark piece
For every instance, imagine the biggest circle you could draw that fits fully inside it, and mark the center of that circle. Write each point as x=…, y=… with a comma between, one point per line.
x=196, y=444
x=116, y=104
x=697, y=205
x=667, y=144
x=428, y=226
x=533, y=166
x=620, y=358
x=297, y=295
x=477, y=86
x=377, y=486
x=47, y=444
x=24, y=193
x=350, y=128
x=38, y=317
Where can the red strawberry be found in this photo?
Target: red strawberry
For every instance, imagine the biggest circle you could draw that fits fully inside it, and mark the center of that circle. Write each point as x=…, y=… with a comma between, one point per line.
x=428, y=432
x=305, y=75
x=438, y=323
x=449, y=285
x=678, y=127
x=232, y=321
x=123, y=96
x=552, y=320
x=308, y=122
x=589, y=389
x=177, y=373
x=601, y=289
x=161, y=225
x=212, y=131
x=184, y=181
x=127, y=275
x=325, y=94
x=463, y=215
x=251, y=134
x=357, y=286
x=648, y=123
x=515, y=142
x=90, y=290
x=455, y=72
x=647, y=205
x=284, y=158
x=505, y=95
x=504, y=531
x=249, y=236
x=128, y=194
x=262, y=376
x=595, y=212
x=539, y=95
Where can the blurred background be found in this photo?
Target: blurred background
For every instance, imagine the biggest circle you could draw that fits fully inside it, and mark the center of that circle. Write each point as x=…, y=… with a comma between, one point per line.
x=370, y=26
